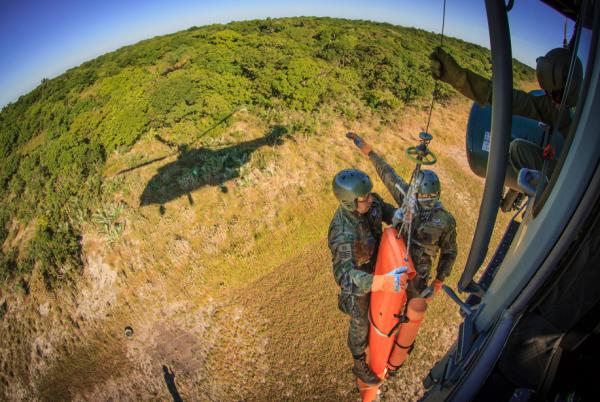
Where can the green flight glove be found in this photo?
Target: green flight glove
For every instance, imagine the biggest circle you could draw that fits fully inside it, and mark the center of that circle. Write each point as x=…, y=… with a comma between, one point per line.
x=445, y=68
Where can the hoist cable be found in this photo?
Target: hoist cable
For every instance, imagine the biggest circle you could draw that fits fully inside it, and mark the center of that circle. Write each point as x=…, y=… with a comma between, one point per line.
x=435, y=87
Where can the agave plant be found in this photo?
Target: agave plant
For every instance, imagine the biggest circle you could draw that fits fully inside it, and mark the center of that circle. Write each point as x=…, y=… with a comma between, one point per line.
x=107, y=218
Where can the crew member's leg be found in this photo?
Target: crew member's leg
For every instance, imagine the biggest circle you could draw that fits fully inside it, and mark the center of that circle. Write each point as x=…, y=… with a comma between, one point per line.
x=358, y=331
x=525, y=154
x=420, y=282
x=357, y=307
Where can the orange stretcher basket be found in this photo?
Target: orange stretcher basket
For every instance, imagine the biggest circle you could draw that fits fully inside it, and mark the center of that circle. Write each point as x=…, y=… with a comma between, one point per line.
x=387, y=307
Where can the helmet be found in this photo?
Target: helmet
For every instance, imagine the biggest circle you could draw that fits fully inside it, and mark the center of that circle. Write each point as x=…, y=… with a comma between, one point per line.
x=428, y=189
x=348, y=185
x=552, y=71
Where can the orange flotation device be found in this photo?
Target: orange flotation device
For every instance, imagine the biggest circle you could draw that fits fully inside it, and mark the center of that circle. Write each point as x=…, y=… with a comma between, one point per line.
x=415, y=312
x=386, y=308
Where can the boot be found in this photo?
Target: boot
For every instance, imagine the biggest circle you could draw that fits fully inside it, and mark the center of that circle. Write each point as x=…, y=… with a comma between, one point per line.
x=508, y=201
x=518, y=201
x=362, y=371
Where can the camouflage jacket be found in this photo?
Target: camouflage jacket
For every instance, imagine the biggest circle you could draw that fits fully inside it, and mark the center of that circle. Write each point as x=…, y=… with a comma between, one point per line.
x=433, y=232
x=540, y=108
x=353, y=240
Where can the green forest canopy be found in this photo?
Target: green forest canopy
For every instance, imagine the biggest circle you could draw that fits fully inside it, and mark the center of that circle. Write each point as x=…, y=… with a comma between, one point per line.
x=55, y=140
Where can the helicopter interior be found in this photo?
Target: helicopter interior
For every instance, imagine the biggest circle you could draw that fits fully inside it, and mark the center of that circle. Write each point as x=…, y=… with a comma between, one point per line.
x=531, y=326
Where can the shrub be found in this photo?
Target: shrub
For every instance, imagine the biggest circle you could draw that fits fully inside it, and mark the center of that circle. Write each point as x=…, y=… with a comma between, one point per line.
x=57, y=250
x=107, y=219
x=8, y=264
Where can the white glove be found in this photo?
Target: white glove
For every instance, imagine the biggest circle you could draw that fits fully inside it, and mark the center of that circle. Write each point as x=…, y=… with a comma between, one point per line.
x=398, y=217
x=392, y=281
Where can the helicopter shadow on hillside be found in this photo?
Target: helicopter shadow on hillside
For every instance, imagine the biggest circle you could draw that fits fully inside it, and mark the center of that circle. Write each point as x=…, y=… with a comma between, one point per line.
x=200, y=167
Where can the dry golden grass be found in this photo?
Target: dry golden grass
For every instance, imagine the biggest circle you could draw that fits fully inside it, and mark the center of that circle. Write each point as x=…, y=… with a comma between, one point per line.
x=232, y=290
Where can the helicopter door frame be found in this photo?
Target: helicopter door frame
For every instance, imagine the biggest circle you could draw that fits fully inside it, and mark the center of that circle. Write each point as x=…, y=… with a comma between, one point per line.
x=537, y=252
x=502, y=83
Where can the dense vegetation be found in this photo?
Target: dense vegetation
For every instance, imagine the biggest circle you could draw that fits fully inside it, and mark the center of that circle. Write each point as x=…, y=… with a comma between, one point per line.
x=55, y=140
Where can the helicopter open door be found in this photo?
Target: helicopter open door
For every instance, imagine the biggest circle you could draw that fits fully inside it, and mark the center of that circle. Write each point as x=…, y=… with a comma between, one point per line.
x=478, y=139
x=536, y=315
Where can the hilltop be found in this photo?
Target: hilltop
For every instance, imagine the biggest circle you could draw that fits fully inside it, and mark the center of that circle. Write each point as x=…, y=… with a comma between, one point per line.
x=181, y=186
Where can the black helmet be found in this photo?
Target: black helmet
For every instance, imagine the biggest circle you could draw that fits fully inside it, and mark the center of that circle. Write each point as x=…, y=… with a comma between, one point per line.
x=552, y=71
x=428, y=188
x=348, y=185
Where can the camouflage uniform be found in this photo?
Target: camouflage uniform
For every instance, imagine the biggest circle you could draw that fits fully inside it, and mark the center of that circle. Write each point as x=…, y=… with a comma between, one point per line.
x=433, y=231
x=353, y=241
x=523, y=153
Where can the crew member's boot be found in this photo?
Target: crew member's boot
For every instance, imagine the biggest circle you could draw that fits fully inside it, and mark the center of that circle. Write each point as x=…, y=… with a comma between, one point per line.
x=508, y=201
x=362, y=371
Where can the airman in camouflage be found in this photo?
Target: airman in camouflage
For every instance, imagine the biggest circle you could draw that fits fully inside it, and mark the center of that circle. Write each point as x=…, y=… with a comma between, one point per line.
x=433, y=228
x=354, y=235
x=552, y=70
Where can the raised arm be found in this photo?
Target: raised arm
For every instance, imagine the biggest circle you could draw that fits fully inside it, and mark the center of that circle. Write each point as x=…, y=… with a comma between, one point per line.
x=479, y=89
x=394, y=183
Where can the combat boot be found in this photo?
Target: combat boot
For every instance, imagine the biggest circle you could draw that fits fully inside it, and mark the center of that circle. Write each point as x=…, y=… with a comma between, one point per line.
x=507, y=203
x=363, y=372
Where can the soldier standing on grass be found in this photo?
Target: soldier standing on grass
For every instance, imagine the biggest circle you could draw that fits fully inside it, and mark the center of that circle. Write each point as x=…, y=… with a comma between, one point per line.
x=354, y=235
x=433, y=229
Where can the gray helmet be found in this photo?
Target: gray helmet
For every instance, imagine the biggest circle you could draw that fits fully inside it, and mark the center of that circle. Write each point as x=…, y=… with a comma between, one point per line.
x=552, y=71
x=428, y=183
x=348, y=185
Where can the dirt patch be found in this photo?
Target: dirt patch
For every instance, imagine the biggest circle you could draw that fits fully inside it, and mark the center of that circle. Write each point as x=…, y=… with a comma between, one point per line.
x=100, y=292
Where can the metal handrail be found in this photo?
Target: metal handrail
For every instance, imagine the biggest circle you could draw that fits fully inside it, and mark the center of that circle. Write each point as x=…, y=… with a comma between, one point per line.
x=500, y=138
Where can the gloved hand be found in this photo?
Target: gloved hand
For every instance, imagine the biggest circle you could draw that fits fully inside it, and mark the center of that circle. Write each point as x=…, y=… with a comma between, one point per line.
x=392, y=281
x=445, y=68
x=398, y=218
x=358, y=141
x=437, y=285
x=432, y=289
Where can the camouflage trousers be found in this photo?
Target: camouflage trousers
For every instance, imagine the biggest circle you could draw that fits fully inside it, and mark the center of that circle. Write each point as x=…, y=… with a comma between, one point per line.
x=421, y=280
x=526, y=154
x=357, y=307
x=415, y=286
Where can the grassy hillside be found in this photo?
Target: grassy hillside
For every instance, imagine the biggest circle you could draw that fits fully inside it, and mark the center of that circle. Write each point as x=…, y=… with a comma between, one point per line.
x=54, y=141
x=182, y=186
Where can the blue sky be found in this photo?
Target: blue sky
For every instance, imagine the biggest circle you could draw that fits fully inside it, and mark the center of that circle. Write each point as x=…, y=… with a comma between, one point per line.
x=42, y=39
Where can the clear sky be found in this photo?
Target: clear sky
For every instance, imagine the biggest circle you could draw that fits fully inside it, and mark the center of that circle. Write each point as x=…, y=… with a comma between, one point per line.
x=43, y=38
